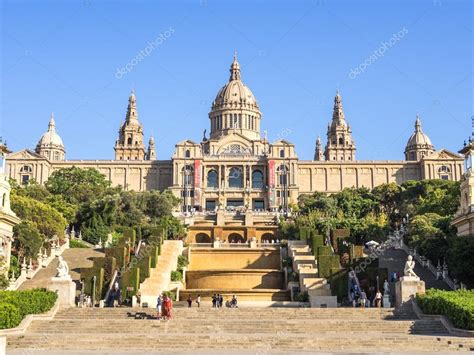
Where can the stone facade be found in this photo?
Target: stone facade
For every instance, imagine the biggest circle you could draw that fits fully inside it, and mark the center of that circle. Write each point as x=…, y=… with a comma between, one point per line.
x=235, y=166
x=8, y=218
x=464, y=218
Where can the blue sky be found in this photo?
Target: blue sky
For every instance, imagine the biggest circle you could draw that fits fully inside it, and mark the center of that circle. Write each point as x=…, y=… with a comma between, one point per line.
x=63, y=56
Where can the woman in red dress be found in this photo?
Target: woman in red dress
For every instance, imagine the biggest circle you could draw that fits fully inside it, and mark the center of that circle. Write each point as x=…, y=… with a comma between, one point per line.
x=167, y=307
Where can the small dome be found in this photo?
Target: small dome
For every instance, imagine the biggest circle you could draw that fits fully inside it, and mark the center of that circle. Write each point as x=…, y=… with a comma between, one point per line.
x=419, y=139
x=50, y=138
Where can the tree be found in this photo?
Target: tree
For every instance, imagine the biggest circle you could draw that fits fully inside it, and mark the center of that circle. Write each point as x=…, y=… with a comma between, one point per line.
x=48, y=221
x=77, y=185
x=27, y=240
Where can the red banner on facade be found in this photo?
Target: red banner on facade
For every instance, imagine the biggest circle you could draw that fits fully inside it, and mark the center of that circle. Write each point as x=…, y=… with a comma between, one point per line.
x=271, y=183
x=197, y=182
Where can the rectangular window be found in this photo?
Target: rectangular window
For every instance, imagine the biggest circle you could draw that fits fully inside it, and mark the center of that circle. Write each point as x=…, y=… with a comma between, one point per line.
x=25, y=179
x=235, y=203
x=211, y=205
x=258, y=205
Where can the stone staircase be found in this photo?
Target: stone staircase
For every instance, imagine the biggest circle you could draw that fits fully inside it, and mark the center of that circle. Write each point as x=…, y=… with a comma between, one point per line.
x=304, y=262
x=160, y=276
x=242, y=329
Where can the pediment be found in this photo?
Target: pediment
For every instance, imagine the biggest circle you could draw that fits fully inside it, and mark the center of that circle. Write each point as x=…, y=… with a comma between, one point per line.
x=282, y=142
x=443, y=154
x=25, y=154
x=187, y=142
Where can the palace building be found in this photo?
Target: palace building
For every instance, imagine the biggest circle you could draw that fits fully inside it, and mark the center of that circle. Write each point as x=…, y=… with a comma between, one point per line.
x=236, y=166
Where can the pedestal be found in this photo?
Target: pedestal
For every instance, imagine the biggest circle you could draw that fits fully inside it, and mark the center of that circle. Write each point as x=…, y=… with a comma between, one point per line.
x=66, y=290
x=386, y=301
x=322, y=301
x=3, y=345
x=407, y=288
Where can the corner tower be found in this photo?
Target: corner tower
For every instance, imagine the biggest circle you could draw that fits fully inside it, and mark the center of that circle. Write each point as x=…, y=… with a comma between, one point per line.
x=340, y=145
x=235, y=108
x=129, y=145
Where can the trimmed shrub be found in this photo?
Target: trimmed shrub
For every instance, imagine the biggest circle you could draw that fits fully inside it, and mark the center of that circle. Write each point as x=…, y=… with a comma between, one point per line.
x=15, y=305
x=304, y=233
x=176, y=275
x=317, y=241
x=87, y=274
x=458, y=306
x=130, y=282
x=121, y=255
x=10, y=316
x=74, y=243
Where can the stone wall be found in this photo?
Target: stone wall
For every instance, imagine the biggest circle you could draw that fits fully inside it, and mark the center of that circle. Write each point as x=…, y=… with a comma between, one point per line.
x=235, y=258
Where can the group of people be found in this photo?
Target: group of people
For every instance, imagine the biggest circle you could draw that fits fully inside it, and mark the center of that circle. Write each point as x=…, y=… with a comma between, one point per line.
x=164, y=307
x=190, y=301
x=217, y=300
x=359, y=298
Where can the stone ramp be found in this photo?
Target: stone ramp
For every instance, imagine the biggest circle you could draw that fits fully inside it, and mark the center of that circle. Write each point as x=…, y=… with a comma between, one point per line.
x=251, y=329
x=76, y=258
x=160, y=276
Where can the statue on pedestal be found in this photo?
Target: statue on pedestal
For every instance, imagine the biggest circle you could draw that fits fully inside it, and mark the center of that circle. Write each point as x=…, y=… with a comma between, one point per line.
x=386, y=287
x=62, y=269
x=409, y=267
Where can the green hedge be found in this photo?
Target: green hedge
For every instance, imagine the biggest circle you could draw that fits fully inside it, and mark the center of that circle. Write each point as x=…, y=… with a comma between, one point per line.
x=316, y=241
x=121, y=255
x=15, y=305
x=458, y=306
x=130, y=278
x=74, y=243
x=304, y=233
x=87, y=274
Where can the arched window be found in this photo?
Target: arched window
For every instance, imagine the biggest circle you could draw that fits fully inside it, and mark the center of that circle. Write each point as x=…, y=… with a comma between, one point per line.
x=129, y=140
x=4, y=199
x=257, y=179
x=282, y=153
x=237, y=238
x=203, y=238
x=212, y=181
x=341, y=141
x=188, y=153
x=26, y=169
x=235, y=177
x=444, y=172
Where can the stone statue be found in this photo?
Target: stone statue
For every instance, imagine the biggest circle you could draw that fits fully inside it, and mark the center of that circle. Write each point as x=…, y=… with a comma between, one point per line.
x=62, y=269
x=409, y=267
x=386, y=288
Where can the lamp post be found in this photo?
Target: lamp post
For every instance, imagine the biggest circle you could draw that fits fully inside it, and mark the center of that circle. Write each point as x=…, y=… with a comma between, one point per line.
x=284, y=180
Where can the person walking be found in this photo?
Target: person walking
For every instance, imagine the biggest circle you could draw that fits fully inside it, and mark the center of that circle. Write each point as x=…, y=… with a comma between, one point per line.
x=159, y=304
x=378, y=299
x=221, y=301
x=214, y=300
x=190, y=301
x=198, y=300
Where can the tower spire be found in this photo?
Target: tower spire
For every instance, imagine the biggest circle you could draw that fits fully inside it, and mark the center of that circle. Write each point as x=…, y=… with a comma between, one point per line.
x=338, y=111
x=52, y=123
x=235, y=69
x=132, y=108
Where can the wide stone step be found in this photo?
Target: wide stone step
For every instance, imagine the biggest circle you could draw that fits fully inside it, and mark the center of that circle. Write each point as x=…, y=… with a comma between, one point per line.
x=220, y=341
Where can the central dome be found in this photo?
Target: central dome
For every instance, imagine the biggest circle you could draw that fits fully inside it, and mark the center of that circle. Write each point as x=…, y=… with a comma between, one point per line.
x=235, y=108
x=235, y=93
